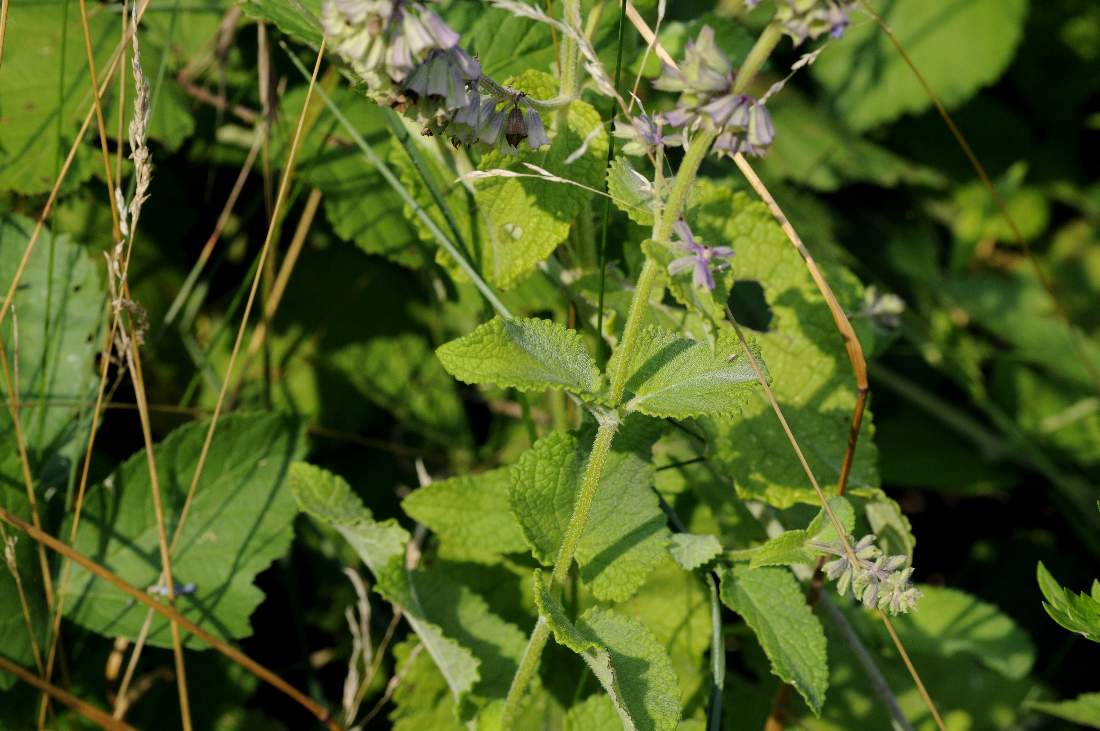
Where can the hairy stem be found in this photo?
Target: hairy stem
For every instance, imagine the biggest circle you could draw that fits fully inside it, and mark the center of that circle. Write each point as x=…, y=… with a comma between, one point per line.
x=765, y=44
x=605, y=435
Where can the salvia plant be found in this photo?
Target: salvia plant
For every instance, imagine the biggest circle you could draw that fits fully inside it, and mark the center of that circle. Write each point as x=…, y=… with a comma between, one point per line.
x=522, y=374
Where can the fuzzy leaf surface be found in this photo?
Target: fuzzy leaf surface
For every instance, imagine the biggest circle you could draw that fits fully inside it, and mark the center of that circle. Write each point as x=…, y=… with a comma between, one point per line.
x=529, y=354
x=471, y=510
x=240, y=520
x=676, y=377
x=1078, y=613
x=772, y=604
x=625, y=657
x=691, y=550
x=631, y=192
x=328, y=498
x=792, y=546
x=626, y=534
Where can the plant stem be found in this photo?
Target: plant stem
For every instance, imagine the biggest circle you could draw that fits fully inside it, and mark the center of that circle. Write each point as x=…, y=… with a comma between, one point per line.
x=758, y=54
x=605, y=435
x=569, y=62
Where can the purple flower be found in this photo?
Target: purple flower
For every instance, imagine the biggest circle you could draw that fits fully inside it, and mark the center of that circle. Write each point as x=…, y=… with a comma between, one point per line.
x=746, y=126
x=802, y=19
x=700, y=259
x=644, y=134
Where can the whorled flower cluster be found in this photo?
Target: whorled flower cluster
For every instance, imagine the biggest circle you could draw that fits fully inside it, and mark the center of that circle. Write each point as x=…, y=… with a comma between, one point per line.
x=707, y=100
x=802, y=19
x=702, y=260
x=877, y=580
x=410, y=59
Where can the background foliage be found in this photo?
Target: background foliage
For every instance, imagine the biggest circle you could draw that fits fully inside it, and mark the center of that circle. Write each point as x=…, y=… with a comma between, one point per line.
x=980, y=461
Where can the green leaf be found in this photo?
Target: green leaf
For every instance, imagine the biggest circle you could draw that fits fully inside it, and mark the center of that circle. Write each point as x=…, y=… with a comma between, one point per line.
x=675, y=606
x=504, y=44
x=328, y=498
x=297, y=18
x=55, y=320
x=399, y=374
x=472, y=510
x=691, y=551
x=951, y=622
x=773, y=605
x=625, y=657
x=528, y=354
x=240, y=520
x=594, y=713
x=631, y=192
x=1078, y=613
x=810, y=374
x=676, y=377
x=793, y=546
x=422, y=700
x=46, y=91
x=625, y=536
x=1084, y=709
x=958, y=45
x=476, y=650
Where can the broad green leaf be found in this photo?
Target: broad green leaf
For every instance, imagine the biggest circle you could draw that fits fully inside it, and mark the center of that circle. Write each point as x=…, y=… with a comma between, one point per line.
x=1084, y=709
x=328, y=498
x=675, y=606
x=773, y=605
x=45, y=91
x=809, y=369
x=631, y=191
x=1078, y=613
x=299, y=19
x=676, y=377
x=504, y=44
x=471, y=510
x=951, y=622
x=55, y=319
x=625, y=657
x=422, y=700
x=594, y=713
x=690, y=550
x=239, y=521
x=625, y=536
x=958, y=45
x=794, y=546
x=525, y=353
x=475, y=649
x=399, y=374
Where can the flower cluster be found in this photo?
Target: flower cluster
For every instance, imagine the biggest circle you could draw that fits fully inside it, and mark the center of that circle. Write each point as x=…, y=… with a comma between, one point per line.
x=700, y=259
x=410, y=59
x=707, y=100
x=802, y=19
x=877, y=580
